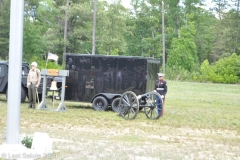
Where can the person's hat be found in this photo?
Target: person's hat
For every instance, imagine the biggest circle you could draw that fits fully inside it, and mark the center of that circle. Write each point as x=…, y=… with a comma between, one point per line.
x=160, y=75
x=34, y=64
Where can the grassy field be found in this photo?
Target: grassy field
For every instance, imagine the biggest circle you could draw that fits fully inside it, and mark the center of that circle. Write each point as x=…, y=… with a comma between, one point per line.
x=201, y=121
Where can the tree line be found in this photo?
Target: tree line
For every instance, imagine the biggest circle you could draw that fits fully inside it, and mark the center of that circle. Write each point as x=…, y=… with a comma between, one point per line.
x=196, y=37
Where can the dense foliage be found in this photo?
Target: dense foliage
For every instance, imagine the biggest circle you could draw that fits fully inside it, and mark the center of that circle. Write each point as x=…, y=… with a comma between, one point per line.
x=201, y=43
x=226, y=70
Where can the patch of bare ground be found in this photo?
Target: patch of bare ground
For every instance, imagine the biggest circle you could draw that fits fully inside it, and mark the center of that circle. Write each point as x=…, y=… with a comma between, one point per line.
x=84, y=142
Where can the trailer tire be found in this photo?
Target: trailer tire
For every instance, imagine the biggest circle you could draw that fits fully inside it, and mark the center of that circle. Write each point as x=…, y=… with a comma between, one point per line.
x=23, y=94
x=100, y=103
x=39, y=97
x=60, y=94
x=115, y=105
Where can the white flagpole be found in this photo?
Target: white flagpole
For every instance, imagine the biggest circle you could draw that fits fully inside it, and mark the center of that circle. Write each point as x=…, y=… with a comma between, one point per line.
x=15, y=66
x=46, y=62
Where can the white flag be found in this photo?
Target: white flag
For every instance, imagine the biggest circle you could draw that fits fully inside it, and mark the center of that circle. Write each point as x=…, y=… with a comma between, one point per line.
x=52, y=56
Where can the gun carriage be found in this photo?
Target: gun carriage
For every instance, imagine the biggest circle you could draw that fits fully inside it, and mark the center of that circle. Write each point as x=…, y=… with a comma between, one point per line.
x=130, y=103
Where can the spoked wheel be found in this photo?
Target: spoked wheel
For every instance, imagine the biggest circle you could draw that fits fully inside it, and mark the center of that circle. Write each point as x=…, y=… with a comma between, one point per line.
x=129, y=105
x=153, y=107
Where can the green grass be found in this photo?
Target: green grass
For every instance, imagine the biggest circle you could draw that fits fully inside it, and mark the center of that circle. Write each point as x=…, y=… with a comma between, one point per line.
x=203, y=105
x=199, y=118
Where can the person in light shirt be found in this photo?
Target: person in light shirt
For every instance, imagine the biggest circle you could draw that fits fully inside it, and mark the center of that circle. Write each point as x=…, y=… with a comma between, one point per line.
x=161, y=88
x=33, y=81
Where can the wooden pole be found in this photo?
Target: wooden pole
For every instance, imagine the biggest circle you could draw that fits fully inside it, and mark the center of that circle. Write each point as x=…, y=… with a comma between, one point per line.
x=94, y=27
x=163, y=39
x=65, y=35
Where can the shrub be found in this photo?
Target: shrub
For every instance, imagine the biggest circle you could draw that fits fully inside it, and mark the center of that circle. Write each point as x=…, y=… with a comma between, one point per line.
x=230, y=79
x=27, y=141
x=216, y=78
x=178, y=73
x=226, y=70
x=196, y=76
x=206, y=71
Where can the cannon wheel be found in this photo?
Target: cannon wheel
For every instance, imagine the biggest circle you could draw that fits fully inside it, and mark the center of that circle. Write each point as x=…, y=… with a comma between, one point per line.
x=129, y=105
x=153, y=108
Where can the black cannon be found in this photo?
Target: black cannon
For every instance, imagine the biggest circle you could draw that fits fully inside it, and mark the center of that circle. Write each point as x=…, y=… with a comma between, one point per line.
x=130, y=104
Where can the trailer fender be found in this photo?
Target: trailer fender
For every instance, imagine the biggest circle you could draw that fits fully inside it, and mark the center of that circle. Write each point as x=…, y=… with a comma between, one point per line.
x=109, y=97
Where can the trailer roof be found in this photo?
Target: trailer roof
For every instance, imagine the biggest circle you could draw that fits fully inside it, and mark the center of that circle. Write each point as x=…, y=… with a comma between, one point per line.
x=149, y=59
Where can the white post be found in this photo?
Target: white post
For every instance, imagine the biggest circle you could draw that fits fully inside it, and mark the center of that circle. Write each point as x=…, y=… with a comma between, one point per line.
x=15, y=70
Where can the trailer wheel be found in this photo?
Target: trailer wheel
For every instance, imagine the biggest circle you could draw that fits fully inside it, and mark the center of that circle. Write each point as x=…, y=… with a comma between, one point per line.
x=39, y=97
x=23, y=94
x=100, y=103
x=115, y=105
x=59, y=95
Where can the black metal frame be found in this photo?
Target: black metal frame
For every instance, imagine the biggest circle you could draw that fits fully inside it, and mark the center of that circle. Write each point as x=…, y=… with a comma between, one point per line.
x=130, y=104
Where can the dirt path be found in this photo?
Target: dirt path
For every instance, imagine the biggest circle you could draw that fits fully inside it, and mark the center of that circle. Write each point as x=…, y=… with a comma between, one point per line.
x=173, y=144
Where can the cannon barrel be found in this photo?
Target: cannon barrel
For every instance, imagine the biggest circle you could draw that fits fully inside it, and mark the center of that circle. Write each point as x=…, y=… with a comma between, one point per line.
x=146, y=95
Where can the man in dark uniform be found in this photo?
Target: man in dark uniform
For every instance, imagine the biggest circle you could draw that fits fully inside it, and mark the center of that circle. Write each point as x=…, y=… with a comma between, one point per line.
x=161, y=88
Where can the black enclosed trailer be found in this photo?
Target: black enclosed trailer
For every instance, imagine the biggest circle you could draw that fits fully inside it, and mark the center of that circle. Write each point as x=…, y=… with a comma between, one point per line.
x=101, y=79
